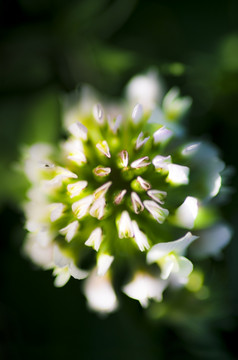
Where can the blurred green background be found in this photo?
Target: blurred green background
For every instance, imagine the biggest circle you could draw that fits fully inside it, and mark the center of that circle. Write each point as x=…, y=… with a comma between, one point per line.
x=50, y=48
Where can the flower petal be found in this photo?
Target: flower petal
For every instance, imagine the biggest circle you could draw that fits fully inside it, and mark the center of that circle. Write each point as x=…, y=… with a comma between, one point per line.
x=60, y=260
x=161, y=162
x=104, y=148
x=70, y=230
x=115, y=125
x=174, y=106
x=162, y=135
x=140, y=238
x=79, y=158
x=98, y=113
x=136, y=203
x=216, y=187
x=81, y=207
x=61, y=174
x=97, y=208
x=162, y=249
x=168, y=265
x=142, y=162
x=95, y=239
x=65, y=173
x=124, y=158
x=156, y=211
x=140, y=141
x=118, y=199
x=56, y=211
x=39, y=254
x=190, y=149
x=186, y=214
x=137, y=113
x=62, y=276
x=101, y=191
x=185, y=269
x=125, y=229
x=144, y=287
x=157, y=195
x=145, y=89
x=79, y=130
x=145, y=185
x=104, y=262
x=74, y=151
x=76, y=272
x=76, y=188
x=178, y=174
x=100, y=294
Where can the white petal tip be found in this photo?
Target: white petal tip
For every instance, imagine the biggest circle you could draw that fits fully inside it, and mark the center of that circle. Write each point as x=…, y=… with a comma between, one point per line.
x=104, y=148
x=157, y=195
x=124, y=158
x=98, y=113
x=162, y=135
x=145, y=185
x=137, y=113
x=56, y=211
x=79, y=130
x=102, y=190
x=103, y=263
x=75, y=189
x=187, y=212
x=136, y=203
x=158, y=213
x=178, y=174
x=141, y=140
x=80, y=208
x=125, y=229
x=118, y=199
x=100, y=294
x=97, y=208
x=142, y=162
x=95, y=239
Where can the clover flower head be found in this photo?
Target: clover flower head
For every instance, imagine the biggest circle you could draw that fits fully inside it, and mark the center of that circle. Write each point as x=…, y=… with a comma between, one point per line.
x=107, y=204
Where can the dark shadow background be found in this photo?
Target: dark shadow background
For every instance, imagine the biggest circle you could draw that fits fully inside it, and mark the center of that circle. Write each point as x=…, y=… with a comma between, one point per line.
x=49, y=48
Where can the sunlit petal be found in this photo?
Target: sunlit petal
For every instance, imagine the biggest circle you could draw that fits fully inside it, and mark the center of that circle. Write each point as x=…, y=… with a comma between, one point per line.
x=100, y=294
x=95, y=239
x=104, y=262
x=186, y=214
x=70, y=230
x=125, y=228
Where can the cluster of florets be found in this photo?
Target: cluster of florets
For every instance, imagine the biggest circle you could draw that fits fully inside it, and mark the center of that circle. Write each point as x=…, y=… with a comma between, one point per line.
x=115, y=203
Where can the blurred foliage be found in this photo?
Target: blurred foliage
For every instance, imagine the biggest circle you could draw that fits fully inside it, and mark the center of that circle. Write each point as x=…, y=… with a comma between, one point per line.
x=50, y=48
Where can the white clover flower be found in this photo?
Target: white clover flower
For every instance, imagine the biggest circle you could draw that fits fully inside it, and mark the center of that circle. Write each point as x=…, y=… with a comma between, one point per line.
x=169, y=257
x=144, y=287
x=187, y=212
x=145, y=90
x=116, y=193
x=104, y=262
x=99, y=293
x=174, y=106
x=64, y=268
x=41, y=255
